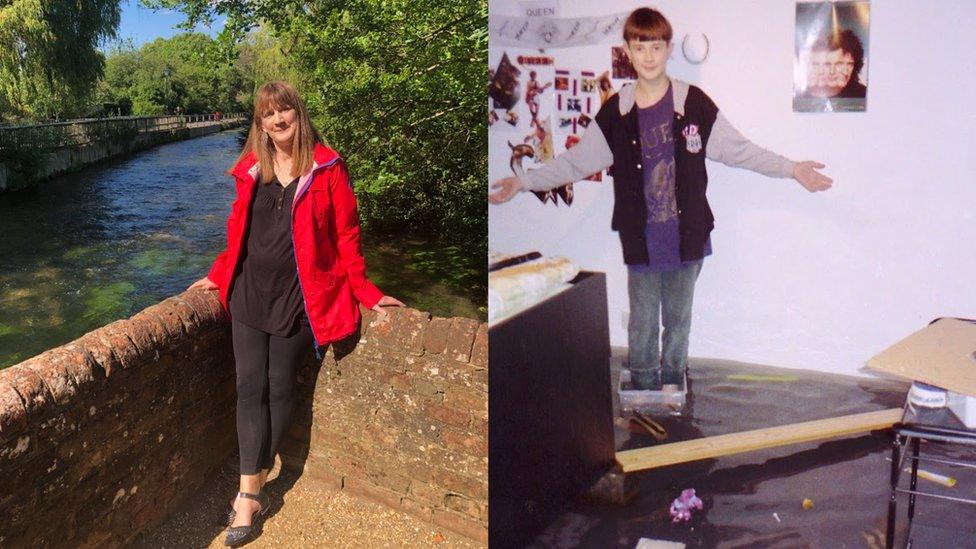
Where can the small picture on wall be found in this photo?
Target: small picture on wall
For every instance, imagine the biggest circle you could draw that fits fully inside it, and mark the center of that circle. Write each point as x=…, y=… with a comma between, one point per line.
x=606, y=87
x=503, y=84
x=831, y=56
x=519, y=93
x=620, y=62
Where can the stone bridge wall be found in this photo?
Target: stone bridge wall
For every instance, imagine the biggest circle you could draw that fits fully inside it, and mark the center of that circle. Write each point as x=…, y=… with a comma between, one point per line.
x=98, y=435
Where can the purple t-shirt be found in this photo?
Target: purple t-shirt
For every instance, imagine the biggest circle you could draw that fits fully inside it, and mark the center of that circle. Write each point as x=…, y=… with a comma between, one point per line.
x=657, y=152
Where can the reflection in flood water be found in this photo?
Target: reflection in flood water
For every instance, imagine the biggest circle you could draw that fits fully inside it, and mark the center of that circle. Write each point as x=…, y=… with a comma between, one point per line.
x=88, y=248
x=755, y=499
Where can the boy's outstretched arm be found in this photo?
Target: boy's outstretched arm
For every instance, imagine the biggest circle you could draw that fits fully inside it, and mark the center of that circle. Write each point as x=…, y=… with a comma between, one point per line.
x=806, y=173
x=589, y=156
x=505, y=189
x=728, y=146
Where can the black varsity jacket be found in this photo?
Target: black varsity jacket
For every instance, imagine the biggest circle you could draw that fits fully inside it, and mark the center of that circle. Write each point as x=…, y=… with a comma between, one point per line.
x=700, y=131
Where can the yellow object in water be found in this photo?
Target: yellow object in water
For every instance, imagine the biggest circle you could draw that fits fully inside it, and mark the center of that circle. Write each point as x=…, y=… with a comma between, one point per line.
x=928, y=475
x=754, y=377
x=808, y=503
x=934, y=477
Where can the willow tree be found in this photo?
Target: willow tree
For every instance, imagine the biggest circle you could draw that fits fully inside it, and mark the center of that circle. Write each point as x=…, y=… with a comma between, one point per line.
x=49, y=61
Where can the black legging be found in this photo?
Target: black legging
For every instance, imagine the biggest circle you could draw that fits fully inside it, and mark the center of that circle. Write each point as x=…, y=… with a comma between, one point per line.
x=266, y=366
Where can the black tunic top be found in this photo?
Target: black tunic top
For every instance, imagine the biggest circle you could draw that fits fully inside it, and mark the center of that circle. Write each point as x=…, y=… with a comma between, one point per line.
x=266, y=294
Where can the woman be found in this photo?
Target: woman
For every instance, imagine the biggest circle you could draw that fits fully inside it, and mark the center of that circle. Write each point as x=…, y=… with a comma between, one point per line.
x=292, y=276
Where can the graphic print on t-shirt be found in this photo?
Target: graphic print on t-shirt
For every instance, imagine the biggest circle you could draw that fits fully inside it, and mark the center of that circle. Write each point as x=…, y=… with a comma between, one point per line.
x=661, y=203
x=657, y=150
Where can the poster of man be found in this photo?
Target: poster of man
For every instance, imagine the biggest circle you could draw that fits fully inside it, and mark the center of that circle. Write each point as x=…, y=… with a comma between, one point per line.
x=830, y=64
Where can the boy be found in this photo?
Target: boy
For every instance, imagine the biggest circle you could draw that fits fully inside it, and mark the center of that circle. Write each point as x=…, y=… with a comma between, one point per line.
x=656, y=134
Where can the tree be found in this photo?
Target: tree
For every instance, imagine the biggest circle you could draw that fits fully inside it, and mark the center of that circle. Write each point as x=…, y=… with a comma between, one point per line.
x=48, y=57
x=260, y=59
x=397, y=87
x=189, y=71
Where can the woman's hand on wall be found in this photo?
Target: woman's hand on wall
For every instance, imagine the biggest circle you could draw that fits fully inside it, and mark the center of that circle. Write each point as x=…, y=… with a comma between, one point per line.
x=508, y=187
x=386, y=301
x=203, y=284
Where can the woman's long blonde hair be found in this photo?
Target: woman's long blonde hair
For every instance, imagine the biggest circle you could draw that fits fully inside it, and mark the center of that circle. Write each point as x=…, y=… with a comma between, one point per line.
x=281, y=95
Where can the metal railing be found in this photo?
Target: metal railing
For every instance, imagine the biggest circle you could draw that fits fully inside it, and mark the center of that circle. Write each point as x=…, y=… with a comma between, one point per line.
x=73, y=133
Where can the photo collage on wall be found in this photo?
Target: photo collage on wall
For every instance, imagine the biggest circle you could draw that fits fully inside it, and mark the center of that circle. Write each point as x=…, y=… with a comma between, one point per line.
x=543, y=107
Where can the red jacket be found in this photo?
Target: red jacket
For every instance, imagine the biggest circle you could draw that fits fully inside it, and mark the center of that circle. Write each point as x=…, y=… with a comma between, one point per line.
x=325, y=235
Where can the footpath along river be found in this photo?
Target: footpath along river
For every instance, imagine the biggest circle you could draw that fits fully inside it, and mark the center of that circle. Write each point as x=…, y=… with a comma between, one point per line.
x=91, y=247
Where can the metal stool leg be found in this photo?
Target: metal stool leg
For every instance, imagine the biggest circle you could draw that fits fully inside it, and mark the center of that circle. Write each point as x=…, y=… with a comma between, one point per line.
x=916, y=443
x=893, y=501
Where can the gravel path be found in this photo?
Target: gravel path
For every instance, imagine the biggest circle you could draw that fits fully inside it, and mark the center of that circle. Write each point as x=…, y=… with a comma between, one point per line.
x=301, y=515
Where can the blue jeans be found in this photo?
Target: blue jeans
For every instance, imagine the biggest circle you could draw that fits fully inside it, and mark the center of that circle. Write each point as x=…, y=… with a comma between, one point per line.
x=655, y=299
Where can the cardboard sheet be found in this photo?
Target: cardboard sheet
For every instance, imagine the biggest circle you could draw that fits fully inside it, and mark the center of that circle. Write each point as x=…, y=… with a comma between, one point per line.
x=941, y=354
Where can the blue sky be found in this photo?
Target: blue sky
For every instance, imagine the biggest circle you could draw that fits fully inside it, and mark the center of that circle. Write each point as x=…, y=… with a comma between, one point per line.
x=145, y=25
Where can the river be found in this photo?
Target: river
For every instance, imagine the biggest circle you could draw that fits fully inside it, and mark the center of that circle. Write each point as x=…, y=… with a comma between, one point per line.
x=88, y=248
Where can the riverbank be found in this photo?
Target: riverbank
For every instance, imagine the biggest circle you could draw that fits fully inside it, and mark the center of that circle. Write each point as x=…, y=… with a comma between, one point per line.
x=427, y=274
x=27, y=165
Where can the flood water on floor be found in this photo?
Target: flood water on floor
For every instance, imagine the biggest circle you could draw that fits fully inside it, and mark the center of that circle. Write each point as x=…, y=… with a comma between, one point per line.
x=755, y=499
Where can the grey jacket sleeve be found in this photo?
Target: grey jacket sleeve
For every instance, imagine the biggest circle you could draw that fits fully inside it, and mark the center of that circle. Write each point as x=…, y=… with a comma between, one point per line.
x=728, y=146
x=589, y=156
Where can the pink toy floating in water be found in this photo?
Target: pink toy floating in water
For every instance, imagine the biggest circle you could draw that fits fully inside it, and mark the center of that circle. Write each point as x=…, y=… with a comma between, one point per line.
x=682, y=505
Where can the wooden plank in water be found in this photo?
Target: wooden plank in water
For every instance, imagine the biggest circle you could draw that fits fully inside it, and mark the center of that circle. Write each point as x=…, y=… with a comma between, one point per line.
x=748, y=441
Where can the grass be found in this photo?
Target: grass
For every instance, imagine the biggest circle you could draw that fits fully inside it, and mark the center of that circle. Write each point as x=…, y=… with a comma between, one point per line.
x=426, y=275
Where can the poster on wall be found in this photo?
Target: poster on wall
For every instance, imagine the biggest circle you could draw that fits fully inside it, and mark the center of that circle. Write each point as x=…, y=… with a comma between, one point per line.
x=541, y=110
x=831, y=56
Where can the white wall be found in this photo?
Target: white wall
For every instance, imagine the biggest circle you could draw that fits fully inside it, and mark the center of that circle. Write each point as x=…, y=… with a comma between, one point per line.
x=819, y=281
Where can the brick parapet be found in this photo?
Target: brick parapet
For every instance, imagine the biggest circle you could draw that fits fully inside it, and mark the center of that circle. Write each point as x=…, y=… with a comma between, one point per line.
x=103, y=436
x=401, y=418
x=100, y=437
